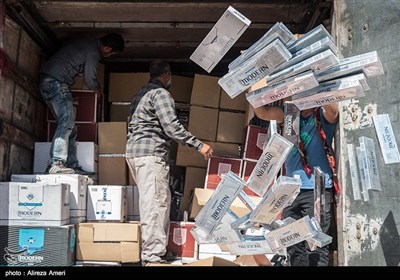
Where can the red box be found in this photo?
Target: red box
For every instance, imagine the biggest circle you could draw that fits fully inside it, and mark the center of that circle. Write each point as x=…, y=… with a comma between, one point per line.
x=254, y=142
x=86, y=132
x=87, y=107
x=181, y=240
x=218, y=167
x=248, y=167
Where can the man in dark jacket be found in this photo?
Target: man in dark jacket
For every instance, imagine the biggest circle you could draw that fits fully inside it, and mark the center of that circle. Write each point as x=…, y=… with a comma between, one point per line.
x=78, y=56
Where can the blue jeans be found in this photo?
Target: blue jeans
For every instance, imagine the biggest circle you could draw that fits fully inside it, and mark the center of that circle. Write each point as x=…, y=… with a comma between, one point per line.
x=58, y=98
x=299, y=254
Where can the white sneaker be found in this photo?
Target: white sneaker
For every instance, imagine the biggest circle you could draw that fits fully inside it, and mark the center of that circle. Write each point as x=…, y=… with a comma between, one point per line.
x=59, y=168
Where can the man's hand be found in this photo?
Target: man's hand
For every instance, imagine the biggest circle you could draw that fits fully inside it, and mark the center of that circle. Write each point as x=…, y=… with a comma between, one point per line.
x=206, y=151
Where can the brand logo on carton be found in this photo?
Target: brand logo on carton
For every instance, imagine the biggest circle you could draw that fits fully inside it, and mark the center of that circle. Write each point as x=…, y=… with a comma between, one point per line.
x=288, y=124
x=265, y=164
x=29, y=214
x=279, y=203
x=330, y=100
x=226, y=47
x=220, y=208
x=21, y=257
x=291, y=237
x=389, y=138
x=254, y=75
x=250, y=246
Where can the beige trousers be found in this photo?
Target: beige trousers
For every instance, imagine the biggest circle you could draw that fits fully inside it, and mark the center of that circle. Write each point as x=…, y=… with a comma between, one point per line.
x=151, y=175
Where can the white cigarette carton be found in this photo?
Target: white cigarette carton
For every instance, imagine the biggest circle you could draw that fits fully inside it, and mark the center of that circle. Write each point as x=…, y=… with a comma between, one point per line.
x=282, y=89
x=328, y=93
x=272, y=129
x=222, y=234
x=316, y=63
x=254, y=69
x=309, y=51
x=386, y=138
x=319, y=240
x=371, y=66
x=220, y=39
x=319, y=195
x=362, y=162
x=269, y=164
x=278, y=31
x=106, y=203
x=78, y=188
x=23, y=203
x=314, y=35
x=355, y=181
x=372, y=180
x=357, y=57
x=291, y=234
x=278, y=197
x=291, y=123
x=249, y=248
x=210, y=216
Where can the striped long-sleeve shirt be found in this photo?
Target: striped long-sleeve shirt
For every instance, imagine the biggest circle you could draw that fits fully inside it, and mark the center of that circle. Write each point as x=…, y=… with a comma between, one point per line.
x=153, y=124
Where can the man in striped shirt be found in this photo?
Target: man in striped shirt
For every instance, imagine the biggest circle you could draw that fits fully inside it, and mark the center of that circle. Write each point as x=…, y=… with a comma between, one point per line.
x=153, y=125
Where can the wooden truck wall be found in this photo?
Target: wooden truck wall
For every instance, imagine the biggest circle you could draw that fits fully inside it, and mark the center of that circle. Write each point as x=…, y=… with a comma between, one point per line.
x=22, y=112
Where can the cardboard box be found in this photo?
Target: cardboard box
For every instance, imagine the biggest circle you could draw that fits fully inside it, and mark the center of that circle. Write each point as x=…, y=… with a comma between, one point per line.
x=108, y=242
x=194, y=177
x=119, y=111
x=78, y=190
x=210, y=250
x=23, y=203
x=113, y=169
x=119, y=91
x=182, y=242
x=212, y=261
x=206, y=91
x=106, y=203
x=228, y=123
x=253, y=260
x=238, y=103
x=226, y=31
x=112, y=137
x=203, y=122
x=50, y=246
x=201, y=196
x=218, y=167
x=181, y=88
x=254, y=142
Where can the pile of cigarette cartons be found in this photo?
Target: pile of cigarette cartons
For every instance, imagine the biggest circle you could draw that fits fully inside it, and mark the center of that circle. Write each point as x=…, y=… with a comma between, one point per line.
x=260, y=231
x=307, y=69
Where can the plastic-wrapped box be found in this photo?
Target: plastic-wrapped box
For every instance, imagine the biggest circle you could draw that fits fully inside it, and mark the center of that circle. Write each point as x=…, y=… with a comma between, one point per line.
x=269, y=164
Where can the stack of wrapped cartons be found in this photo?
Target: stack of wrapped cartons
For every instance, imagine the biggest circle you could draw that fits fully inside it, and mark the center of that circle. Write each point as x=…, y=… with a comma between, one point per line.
x=314, y=75
x=35, y=223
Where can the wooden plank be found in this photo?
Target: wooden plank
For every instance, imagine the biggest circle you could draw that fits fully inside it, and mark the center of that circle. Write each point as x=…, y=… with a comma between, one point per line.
x=10, y=70
x=368, y=231
x=16, y=136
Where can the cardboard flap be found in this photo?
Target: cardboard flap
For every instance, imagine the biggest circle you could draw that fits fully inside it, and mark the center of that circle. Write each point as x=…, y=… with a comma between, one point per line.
x=85, y=233
x=116, y=232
